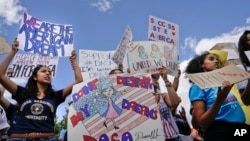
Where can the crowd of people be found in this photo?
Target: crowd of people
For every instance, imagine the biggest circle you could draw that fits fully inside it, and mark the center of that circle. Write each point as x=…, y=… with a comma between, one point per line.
x=215, y=111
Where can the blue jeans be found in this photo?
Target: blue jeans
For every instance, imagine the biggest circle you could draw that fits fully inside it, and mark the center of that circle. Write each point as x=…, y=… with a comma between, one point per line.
x=26, y=139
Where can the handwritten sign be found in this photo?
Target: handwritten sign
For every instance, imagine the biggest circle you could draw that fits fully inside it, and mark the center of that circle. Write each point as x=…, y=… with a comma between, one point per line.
x=44, y=38
x=24, y=64
x=121, y=50
x=162, y=30
x=215, y=78
x=120, y=107
x=4, y=47
x=94, y=63
x=147, y=56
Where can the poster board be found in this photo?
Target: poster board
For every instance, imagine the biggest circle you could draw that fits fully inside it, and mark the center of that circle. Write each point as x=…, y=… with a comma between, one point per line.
x=4, y=47
x=137, y=117
x=24, y=64
x=121, y=50
x=47, y=39
x=163, y=30
x=95, y=63
x=148, y=56
x=231, y=73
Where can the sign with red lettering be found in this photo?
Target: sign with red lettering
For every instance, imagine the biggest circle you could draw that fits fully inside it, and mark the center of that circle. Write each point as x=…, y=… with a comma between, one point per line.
x=117, y=107
x=162, y=30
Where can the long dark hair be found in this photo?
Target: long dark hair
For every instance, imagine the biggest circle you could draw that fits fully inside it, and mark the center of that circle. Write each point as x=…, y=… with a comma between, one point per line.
x=31, y=89
x=243, y=46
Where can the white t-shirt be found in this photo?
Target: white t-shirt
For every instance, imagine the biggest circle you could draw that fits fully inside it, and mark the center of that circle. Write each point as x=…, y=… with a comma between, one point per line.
x=3, y=119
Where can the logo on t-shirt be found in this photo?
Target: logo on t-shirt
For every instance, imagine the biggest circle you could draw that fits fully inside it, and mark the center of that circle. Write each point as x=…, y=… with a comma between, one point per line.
x=36, y=108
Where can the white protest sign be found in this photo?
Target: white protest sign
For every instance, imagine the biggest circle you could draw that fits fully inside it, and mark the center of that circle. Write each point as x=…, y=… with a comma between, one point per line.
x=120, y=107
x=121, y=50
x=215, y=78
x=94, y=63
x=162, y=30
x=4, y=47
x=147, y=56
x=23, y=64
x=44, y=38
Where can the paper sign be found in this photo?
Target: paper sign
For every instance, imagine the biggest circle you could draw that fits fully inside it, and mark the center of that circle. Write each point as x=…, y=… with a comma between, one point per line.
x=147, y=56
x=162, y=30
x=121, y=50
x=4, y=47
x=215, y=78
x=95, y=63
x=121, y=107
x=24, y=64
x=44, y=38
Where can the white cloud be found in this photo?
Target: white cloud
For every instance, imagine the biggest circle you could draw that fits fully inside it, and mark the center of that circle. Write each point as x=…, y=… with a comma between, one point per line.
x=248, y=20
x=11, y=11
x=104, y=5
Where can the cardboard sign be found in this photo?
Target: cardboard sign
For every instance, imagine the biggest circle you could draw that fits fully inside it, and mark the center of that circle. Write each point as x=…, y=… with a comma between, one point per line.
x=120, y=107
x=44, y=38
x=215, y=78
x=4, y=47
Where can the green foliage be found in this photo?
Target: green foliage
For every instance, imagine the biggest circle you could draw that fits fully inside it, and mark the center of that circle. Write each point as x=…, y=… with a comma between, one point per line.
x=59, y=125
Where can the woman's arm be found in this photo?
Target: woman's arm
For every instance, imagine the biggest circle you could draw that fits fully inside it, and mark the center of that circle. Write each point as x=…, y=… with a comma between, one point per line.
x=78, y=75
x=205, y=118
x=171, y=98
x=3, y=101
x=176, y=80
x=4, y=80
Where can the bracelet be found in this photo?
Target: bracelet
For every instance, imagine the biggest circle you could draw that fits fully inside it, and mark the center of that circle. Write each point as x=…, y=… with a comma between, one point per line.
x=168, y=84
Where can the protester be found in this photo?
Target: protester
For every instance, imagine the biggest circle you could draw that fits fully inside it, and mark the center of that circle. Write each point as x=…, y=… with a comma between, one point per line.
x=244, y=45
x=166, y=102
x=11, y=111
x=3, y=124
x=38, y=100
x=215, y=109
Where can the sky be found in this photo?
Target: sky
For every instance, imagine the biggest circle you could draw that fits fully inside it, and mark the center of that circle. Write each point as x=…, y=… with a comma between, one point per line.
x=99, y=25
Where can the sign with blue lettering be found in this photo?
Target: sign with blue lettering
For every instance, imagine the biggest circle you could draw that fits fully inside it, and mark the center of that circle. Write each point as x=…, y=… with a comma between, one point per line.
x=117, y=107
x=47, y=39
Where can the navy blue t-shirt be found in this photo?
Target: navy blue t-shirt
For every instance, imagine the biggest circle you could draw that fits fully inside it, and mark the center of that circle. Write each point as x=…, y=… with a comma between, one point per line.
x=36, y=115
